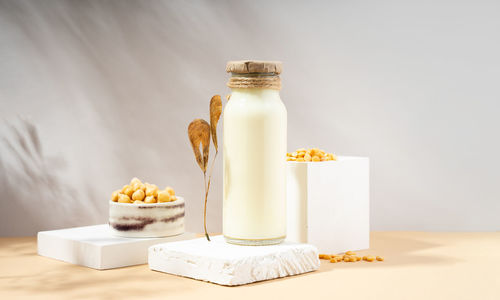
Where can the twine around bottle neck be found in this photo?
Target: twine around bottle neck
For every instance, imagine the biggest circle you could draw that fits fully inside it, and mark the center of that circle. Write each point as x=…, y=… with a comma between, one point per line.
x=263, y=81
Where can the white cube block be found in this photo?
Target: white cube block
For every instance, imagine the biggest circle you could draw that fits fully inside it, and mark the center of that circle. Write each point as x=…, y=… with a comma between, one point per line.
x=95, y=247
x=328, y=204
x=227, y=264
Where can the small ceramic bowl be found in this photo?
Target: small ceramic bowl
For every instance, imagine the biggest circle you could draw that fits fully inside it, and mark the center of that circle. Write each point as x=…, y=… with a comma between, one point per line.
x=148, y=219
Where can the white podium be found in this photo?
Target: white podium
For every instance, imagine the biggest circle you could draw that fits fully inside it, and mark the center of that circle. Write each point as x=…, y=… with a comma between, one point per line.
x=328, y=204
x=95, y=246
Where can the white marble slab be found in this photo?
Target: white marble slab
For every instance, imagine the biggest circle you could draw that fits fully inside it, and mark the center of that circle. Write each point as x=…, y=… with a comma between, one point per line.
x=95, y=247
x=228, y=264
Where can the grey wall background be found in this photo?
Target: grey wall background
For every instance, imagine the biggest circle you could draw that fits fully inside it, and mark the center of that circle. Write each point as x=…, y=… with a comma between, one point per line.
x=95, y=92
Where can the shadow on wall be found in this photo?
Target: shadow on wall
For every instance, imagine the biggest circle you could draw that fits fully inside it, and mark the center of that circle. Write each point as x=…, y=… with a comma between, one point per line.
x=33, y=185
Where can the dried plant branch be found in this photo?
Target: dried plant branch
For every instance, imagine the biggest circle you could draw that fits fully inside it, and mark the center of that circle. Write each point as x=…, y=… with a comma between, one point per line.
x=199, y=132
x=207, y=187
x=215, y=112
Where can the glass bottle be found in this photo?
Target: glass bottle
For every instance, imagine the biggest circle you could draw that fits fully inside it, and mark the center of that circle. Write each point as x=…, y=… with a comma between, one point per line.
x=255, y=127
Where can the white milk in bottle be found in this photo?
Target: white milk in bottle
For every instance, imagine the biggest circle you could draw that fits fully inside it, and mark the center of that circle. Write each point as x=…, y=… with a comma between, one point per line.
x=255, y=125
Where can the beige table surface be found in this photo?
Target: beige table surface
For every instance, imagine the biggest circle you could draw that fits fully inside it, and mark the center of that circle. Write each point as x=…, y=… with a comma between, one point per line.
x=418, y=265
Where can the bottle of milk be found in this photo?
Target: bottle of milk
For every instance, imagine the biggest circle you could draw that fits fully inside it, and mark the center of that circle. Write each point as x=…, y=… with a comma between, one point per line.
x=255, y=120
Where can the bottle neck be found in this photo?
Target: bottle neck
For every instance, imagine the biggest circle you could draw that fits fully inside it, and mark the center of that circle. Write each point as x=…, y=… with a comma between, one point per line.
x=255, y=80
x=258, y=92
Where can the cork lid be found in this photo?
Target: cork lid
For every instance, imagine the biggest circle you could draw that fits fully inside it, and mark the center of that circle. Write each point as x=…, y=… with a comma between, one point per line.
x=254, y=66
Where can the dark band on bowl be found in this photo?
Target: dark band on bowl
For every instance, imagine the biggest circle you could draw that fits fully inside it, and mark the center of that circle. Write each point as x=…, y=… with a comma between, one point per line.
x=142, y=222
x=180, y=205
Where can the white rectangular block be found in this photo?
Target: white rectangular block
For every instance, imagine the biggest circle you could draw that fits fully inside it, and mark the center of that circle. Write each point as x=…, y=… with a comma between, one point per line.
x=328, y=204
x=95, y=247
x=228, y=264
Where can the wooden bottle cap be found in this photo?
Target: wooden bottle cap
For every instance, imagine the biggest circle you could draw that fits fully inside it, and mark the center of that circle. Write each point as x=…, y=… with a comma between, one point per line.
x=254, y=66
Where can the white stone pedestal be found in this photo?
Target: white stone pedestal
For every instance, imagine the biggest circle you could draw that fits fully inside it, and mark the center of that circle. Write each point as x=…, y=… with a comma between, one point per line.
x=328, y=204
x=228, y=264
x=95, y=247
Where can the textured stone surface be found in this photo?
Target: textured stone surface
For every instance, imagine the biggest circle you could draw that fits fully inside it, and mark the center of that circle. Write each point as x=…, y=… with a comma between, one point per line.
x=227, y=264
x=95, y=246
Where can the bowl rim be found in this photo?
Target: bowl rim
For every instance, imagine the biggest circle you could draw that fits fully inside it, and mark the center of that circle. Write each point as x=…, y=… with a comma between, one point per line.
x=160, y=204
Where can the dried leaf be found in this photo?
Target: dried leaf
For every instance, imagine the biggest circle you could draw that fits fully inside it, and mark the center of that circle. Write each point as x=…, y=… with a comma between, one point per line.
x=215, y=112
x=199, y=133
